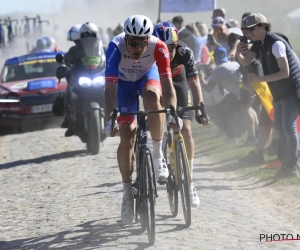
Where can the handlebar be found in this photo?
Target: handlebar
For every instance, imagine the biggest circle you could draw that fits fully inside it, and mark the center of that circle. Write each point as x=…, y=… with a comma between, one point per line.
x=170, y=111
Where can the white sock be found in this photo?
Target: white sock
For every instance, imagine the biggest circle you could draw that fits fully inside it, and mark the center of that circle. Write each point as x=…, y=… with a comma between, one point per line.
x=191, y=162
x=157, y=149
x=127, y=188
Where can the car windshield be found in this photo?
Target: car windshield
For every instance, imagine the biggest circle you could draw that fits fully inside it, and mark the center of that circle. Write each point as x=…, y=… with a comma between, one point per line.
x=29, y=70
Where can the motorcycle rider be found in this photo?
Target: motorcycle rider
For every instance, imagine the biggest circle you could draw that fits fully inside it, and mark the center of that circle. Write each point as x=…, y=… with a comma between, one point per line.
x=73, y=35
x=41, y=46
x=72, y=60
x=50, y=42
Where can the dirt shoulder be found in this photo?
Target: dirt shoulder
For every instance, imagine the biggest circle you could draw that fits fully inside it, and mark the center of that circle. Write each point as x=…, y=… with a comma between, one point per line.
x=280, y=198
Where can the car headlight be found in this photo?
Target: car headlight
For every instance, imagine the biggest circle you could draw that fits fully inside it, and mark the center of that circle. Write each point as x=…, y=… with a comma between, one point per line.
x=99, y=81
x=9, y=99
x=85, y=82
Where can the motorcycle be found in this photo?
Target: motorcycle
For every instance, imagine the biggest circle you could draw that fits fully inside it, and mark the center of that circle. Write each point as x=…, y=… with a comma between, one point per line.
x=87, y=83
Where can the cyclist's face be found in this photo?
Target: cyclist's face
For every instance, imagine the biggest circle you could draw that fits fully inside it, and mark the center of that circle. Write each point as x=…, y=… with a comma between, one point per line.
x=136, y=46
x=172, y=50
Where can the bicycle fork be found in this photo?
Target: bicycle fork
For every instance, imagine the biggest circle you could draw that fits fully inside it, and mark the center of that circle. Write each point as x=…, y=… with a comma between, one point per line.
x=178, y=135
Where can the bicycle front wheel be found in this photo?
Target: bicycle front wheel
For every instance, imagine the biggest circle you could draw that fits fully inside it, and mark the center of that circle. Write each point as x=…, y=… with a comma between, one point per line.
x=183, y=180
x=149, y=195
x=171, y=183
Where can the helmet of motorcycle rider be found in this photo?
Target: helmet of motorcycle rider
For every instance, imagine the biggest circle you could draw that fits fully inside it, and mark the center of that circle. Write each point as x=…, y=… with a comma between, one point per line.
x=88, y=30
x=74, y=33
x=166, y=32
x=41, y=43
x=139, y=26
x=50, y=41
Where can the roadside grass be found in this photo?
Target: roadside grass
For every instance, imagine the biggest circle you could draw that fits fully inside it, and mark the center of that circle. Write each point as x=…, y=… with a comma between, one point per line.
x=225, y=156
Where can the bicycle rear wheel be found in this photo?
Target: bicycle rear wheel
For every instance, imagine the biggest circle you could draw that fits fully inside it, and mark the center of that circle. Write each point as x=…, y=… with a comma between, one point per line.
x=149, y=195
x=183, y=180
x=171, y=183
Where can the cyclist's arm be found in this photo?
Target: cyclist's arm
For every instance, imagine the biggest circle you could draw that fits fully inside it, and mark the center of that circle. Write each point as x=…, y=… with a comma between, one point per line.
x=192, y=78
x=113, y=58
x=162, y=58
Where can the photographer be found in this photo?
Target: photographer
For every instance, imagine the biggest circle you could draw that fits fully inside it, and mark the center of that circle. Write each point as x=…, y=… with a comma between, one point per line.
x=282, y=73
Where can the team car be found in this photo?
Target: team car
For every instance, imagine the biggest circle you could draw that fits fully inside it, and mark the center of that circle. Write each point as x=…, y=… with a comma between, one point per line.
x=28, y=89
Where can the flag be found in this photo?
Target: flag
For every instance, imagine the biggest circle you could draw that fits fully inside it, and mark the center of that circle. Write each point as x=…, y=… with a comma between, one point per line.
x=182, y=6
x=264, y=94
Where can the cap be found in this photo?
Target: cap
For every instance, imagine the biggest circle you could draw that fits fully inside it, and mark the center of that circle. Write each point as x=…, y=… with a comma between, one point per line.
x=220, y=55
x=253, y=20
x=218, y=20
x=243, y=23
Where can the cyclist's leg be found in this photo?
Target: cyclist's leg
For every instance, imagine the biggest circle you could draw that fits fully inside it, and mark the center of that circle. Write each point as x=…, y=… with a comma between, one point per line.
x=184, y=99
x=127, y=126
x=150, y=88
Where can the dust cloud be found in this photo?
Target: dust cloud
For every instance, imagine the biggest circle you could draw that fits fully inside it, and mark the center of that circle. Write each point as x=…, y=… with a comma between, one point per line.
x=109, y=13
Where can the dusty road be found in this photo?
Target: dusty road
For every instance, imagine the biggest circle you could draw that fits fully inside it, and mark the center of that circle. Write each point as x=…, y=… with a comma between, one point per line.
x=54, y=196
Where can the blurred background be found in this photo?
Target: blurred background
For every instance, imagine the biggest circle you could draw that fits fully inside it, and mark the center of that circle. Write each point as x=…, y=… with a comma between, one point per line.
x=62, y=14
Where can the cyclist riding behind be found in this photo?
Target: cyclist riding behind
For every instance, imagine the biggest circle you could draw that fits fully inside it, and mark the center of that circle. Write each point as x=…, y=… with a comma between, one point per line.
x=137, y=61
x=185, y=80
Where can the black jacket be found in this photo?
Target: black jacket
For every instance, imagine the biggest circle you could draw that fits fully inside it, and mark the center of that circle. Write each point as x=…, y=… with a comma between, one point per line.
x=284, y=87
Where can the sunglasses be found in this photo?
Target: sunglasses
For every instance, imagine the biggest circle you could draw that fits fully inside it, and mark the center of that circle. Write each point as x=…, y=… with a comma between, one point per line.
x=171, y=47
x=137, y=43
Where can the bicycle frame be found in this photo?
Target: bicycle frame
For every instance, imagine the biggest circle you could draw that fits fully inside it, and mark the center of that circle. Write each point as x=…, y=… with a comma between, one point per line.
x=176, y=136
x=141, y=140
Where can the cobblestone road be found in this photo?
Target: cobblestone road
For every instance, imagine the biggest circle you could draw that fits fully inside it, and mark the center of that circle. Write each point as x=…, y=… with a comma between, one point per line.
x=54, y=196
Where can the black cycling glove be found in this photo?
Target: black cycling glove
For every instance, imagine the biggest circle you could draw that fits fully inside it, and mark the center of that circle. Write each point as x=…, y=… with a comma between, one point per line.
x=203, y=114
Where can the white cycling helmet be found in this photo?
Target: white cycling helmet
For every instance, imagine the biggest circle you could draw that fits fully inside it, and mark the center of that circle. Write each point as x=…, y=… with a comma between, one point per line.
x=41, y=43
x=88, y=29
x=74, y=33
x=138, y=25
x=50, y=41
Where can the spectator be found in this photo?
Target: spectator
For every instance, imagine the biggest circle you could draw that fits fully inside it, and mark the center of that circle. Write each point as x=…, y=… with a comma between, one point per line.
x=205, y=59
x=118, y=30
x=230, y=41
x=104, y=36
x=233, y=23
x=200, y=41
x=184, y=34
x=282, y=73
x=221, y=13
x=227, y=77
x=264, y=129
x=225, y=37
x=110, y=33
x=265, y=125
